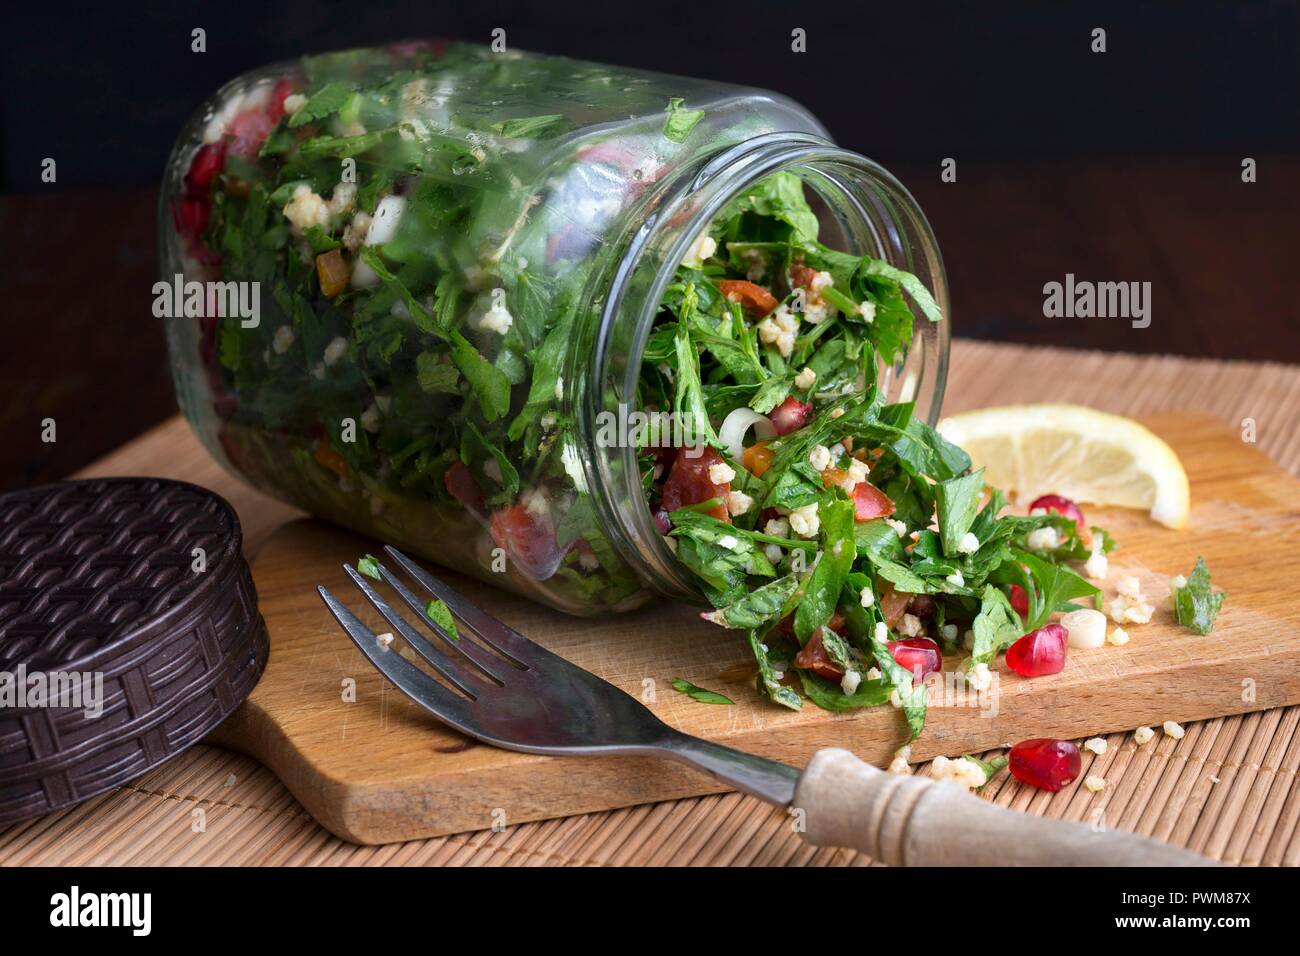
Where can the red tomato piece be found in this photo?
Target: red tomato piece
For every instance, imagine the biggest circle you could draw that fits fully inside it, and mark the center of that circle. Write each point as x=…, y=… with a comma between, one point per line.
x=464, y=488
x=529, y=538
x=689, y=482
x=751, y=296
x=870, y=502
x=813, y=657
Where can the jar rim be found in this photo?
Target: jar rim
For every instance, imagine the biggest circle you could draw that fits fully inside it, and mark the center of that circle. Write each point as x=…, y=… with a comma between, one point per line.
x=702, y=191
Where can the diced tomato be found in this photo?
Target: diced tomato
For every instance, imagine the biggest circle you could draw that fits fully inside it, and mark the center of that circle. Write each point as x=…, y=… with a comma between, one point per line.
x=752, y=297
x=331, y=459
x=529, y=538
x=462, y=486
x=893, y=604
x=689, y=482
x=332, y=271
x=813, y=657
x=790, y=415
x=870, y=502
x=757, y=458
x=801, y=275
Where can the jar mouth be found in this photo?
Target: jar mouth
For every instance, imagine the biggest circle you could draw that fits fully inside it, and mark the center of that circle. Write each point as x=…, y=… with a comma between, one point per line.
x=874, y=215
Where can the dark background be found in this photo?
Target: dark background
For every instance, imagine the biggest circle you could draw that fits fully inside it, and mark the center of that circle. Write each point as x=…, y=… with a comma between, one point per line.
x=1117, y=166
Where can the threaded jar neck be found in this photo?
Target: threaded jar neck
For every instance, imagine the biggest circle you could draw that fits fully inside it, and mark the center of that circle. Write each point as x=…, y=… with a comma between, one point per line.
x=864, y=210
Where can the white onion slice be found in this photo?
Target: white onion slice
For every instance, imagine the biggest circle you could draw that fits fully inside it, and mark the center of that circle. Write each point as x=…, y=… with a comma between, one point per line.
x=1087, y=627
x=736, y=425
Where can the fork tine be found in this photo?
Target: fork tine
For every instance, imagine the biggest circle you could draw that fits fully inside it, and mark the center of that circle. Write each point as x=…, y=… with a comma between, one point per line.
x=481, y=658
x=440, y=662
x=410, y=680
x=504, y=639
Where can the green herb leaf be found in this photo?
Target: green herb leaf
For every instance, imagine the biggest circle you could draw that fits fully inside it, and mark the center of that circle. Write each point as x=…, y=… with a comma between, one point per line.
x=440, y=614
x=957, y=500
x=529, y=126
x=822, y=591
x=996, y=626
x=369, y=566
x=1195, y=603
x=680, y=121
x=758, y=607
x=699, y=693
x=487, y=381
x=329, y=99
x=768, y=685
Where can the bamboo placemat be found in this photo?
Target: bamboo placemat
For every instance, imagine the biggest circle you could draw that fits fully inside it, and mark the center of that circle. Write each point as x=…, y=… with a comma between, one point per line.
x=1229, y=789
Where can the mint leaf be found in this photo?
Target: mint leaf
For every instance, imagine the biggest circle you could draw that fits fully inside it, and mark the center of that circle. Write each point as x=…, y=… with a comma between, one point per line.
x=822, y=590
x=957, y=501
x=329, y=99
x=435, y=375
x=759, y=606
x=997, y=626
x=680, y=121
x=486, y=381
x=699, y=693
x=828, y=696
x=440, y=614
x=529, y=126
x=1195, y=603
x=768, y=685
x=914, y=287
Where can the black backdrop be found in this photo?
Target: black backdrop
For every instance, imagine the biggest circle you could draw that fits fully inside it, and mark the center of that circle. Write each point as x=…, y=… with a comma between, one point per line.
x=1122, y=166
x=106, y=87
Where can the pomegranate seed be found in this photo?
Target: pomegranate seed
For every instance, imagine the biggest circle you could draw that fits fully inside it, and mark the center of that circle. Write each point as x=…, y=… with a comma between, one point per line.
x=1019, y=600
x=1061, y=506
x=920, y=655
x=790, y=415
x=279, y=92
x=191, y=215
x=205, y=165
x=1039, y=652
x=661, y=521
x=921, y=605
x=1045, y=763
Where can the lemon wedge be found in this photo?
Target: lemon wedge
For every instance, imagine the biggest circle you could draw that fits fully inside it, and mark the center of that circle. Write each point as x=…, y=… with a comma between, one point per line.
x=1078, y=452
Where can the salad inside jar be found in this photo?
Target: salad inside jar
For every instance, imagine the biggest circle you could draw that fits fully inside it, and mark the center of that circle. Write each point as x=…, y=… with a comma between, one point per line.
x=424, y=262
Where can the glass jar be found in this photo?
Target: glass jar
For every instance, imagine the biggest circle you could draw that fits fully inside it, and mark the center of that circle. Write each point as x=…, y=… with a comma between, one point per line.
x=405, y=286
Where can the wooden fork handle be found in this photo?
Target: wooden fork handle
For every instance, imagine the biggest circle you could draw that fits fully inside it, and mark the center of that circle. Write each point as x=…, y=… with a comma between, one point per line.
x=914, y=821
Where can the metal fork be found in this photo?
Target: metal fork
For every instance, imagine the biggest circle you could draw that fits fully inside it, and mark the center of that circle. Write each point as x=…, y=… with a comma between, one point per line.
x=512, y=693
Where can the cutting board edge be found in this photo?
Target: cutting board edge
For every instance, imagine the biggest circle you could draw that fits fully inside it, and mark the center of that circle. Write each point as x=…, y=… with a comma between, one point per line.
x=381, y=812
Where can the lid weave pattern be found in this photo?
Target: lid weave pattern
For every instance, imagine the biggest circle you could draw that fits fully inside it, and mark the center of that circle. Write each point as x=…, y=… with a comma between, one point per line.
x=141, y=583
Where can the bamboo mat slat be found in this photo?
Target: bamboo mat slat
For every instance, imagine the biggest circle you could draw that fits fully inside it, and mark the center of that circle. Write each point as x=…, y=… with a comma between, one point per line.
x=1229, y=789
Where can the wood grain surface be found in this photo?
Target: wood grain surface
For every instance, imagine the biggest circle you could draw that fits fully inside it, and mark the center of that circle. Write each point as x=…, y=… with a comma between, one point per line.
x=375, y=768
x=1229, y=789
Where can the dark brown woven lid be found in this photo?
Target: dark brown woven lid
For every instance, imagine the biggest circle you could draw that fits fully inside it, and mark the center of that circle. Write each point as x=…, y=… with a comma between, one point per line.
x=139, y=586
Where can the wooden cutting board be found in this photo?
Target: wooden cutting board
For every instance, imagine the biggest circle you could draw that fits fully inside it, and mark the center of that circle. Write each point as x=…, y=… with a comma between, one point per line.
x=373, y=768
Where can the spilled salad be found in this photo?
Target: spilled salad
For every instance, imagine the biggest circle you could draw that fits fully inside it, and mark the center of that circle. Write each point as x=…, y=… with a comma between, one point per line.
x=844, y=539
